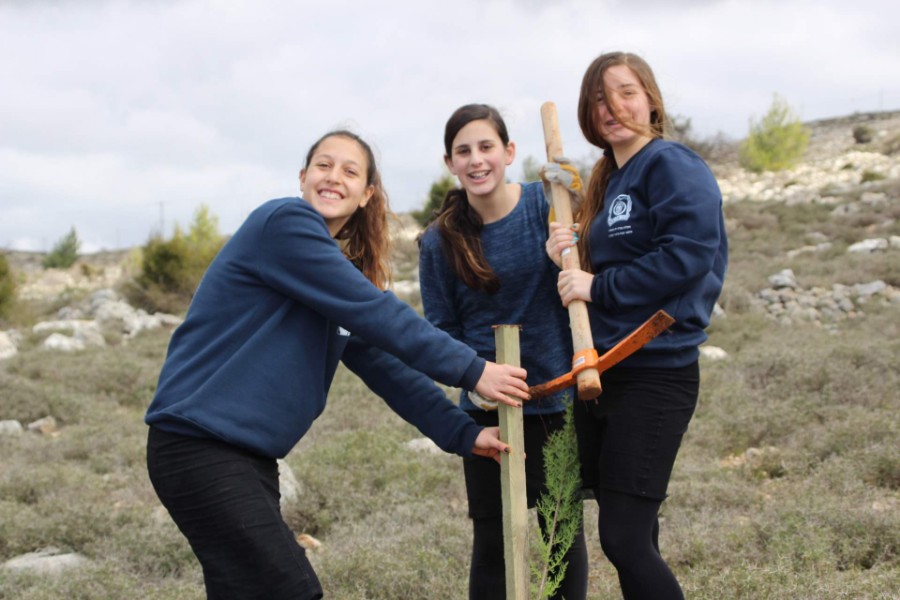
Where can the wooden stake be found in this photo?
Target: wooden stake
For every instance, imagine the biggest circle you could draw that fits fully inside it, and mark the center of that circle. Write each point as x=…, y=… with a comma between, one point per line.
x=512, y=476
x=589, y=379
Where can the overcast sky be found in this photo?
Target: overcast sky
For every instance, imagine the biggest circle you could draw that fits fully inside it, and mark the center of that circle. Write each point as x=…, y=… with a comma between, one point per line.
x=121, y=118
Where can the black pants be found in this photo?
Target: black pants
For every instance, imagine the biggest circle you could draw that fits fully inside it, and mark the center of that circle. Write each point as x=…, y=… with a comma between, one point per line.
x=487, y=574
x=628, y=440
x=225, y=501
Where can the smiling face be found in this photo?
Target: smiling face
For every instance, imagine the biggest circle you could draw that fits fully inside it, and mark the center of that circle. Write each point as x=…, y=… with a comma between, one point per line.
x=335, y=180
x=478, y=157
x=622, y=110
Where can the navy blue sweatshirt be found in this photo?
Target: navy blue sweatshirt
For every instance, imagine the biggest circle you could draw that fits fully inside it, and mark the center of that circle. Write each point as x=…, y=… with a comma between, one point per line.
x=658, y=243
x=278, y=307
x=514, y=248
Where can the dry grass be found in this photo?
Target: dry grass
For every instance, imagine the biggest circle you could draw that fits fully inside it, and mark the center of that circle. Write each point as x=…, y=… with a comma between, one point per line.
x=788, y=485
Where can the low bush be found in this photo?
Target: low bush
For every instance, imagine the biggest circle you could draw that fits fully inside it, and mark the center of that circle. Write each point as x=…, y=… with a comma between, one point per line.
x=64, y=253
x=7, y=287
x=778, y=141
x=863, y=134
x=171, y=269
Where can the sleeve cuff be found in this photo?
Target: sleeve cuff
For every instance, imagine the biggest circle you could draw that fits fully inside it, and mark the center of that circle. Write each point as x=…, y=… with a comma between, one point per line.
x=467, y=439
x=473, y=374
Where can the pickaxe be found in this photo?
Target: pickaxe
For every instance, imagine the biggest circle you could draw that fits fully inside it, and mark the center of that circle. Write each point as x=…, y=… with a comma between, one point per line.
x=586, y=365
x=588, y=359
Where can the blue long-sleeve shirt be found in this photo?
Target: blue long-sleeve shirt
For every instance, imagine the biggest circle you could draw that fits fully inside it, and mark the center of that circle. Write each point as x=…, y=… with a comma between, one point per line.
x=253, y=361
x=514, y=248
x=658, y=243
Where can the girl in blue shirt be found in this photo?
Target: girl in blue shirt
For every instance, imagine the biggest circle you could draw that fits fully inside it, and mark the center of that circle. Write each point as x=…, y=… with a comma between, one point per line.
x=482, y=262
x=300, y=286
x=652, y=237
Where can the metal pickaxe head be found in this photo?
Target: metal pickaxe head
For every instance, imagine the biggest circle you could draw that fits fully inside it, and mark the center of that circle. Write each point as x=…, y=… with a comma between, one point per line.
x=588, y=359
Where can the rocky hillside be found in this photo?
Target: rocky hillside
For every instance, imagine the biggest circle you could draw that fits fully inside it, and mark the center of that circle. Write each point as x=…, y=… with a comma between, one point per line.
x=836, y=168
x=835, y=164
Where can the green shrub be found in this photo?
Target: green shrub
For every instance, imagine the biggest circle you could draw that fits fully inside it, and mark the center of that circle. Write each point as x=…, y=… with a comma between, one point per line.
x=777, y=142
x=891, y=146
x=7, y=287
x=436, y=196
x=863, y=134
x=171, y=269
x=868, y=176
x=64, y=253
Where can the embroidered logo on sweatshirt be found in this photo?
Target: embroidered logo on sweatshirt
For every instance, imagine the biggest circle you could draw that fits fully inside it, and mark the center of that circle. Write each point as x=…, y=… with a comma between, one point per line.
x=343, y=332
x=619, y=209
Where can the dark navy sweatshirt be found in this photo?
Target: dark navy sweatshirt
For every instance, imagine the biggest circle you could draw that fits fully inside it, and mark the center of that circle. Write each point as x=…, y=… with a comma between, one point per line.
x=658, y=243
x=278, y=307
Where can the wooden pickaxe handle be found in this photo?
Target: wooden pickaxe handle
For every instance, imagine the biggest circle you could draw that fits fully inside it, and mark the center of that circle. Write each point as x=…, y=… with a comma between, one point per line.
x=589, y=379
x=630, y=344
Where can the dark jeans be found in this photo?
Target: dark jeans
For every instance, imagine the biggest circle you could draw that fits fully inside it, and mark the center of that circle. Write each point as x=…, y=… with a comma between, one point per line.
x=628, y=441
x=225, y=501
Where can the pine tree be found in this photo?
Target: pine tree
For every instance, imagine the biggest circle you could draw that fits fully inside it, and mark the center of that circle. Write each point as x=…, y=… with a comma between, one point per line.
x=64, y=253
x=777, y=142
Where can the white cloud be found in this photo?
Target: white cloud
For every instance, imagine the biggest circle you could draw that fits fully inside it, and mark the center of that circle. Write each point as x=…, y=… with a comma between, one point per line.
x=113, y=112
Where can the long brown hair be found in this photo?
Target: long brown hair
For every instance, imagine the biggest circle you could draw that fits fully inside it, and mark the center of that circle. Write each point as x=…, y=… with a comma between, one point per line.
x=458, y=223
x=592, y=86
x=365, y=238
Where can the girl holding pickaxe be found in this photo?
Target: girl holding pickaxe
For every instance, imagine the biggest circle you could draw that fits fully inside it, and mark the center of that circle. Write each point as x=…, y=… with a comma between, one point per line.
x=652, y=237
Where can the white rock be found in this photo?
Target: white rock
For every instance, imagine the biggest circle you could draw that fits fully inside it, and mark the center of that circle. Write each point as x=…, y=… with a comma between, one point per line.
x=64, y=343
x=288, y=484
x=423, y=445
x=48, y=561
x=121, y=316
x=783, y=279
x=7, y=346
x=870, y=245
x=11, y=427
x=718, y=312
x=864, y=290
x=713, y=353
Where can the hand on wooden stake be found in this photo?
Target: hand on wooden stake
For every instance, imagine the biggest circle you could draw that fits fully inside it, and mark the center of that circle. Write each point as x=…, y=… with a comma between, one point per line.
x=488, y=444
x=503, y=383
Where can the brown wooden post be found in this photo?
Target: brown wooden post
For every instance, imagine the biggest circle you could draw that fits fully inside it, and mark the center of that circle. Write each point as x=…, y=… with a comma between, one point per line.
x=512, y=476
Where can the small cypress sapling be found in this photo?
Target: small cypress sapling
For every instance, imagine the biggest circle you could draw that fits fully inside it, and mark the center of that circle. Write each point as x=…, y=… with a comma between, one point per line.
x=560, y=508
